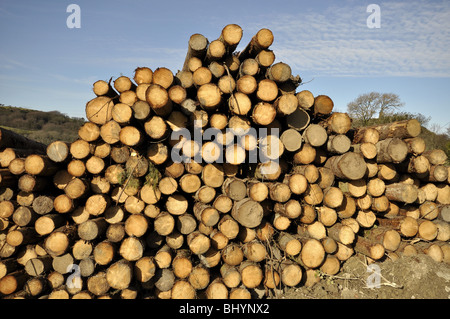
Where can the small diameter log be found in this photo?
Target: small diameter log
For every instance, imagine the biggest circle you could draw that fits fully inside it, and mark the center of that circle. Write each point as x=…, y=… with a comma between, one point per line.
x=24, y=216
x=58, y=151
x=234, y=188
x=291, y=139
x=427, y=230
x=92, y=228
x=405, y=225
x=336, y=123
x=251, y=274
x=338, y=144
x=347, y=166
x=297, y=183
x=257, y=191
x=323, y=105
x=44, y=225
x=289, y=244
x=40, y=165
x=333, y=197
x=119, y=274
x=209, y=96
x=131, y=248
x=228, y=226
x=401, y=192
x=198, y=243
x=315, y=135
x=164, y=223
x=389, y=238
x=341, y=233
x=366, y=135
x=290, y=209
x=298, y=120
x=368, y=150
x=312, y=254
x=254, y=251
x=206, y=214
x=369, y=248
x=13, y=282
x=291, y=273
x=391, y=150
x=262, y=40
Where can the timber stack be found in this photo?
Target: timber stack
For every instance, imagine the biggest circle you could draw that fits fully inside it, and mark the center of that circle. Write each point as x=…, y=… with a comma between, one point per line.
x=277, y=187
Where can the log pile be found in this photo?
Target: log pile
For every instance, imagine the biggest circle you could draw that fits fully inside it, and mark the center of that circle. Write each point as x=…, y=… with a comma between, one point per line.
x=139, y=207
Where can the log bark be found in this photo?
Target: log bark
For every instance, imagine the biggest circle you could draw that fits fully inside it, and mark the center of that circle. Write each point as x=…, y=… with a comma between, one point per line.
x=368, y=248
x=10, y=139
x=401, y=192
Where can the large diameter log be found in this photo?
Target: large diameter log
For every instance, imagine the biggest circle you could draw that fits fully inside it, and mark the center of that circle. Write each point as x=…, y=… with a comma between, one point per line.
x=391, y=150
x=436, y=156
x=349, y=166
x=10, y=139
x=247, y=212
x=400, y=192
x=99, y=110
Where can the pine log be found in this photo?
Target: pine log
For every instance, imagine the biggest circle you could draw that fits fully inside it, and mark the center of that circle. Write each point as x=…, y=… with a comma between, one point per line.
x=349, y=166
x=391, y=150
x=58, y=151
x=323, y=105
x=10, y=139
x=406, y=226
x=389, y=238
x=435, y=156
x=312, y=254
x=298, y=120
x=315, y=135
x=416, y=145
x=401, y=192
x=369, y=248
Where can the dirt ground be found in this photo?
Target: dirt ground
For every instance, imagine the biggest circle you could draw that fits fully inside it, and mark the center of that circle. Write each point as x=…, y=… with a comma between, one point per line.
x=417, y=277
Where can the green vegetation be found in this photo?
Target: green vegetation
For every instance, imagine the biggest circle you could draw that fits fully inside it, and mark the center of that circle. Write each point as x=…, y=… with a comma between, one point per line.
x=44, y=127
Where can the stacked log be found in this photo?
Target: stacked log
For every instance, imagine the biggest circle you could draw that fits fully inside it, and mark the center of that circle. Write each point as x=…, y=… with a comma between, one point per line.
x=140, y=207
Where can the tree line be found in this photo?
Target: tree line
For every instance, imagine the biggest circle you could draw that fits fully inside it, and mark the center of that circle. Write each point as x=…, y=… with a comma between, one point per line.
x=44, y=127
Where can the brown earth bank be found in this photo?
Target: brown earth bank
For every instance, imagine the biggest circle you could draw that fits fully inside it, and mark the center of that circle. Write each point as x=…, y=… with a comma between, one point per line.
x=408, y=277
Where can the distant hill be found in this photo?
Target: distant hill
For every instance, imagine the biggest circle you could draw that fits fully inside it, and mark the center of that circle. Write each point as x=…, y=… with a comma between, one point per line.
x=44, y=127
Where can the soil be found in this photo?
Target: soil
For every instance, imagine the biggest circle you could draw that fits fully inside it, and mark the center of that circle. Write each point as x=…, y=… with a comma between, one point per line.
x=408, y=277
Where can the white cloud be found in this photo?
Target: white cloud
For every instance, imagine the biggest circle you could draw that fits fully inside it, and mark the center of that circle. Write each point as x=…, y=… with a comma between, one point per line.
x=414, y=40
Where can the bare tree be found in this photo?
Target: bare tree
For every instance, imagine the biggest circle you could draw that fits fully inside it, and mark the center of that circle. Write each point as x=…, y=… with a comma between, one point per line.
x=366, y=106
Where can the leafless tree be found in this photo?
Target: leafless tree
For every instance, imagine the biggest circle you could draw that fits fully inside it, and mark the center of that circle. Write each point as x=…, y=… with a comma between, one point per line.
x=366, y=106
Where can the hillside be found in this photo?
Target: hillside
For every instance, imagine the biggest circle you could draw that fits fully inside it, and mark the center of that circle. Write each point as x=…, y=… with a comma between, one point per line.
x=44, y=127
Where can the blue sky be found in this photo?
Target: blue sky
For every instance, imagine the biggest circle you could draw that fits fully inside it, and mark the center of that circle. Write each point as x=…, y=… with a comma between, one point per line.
x=47, y=66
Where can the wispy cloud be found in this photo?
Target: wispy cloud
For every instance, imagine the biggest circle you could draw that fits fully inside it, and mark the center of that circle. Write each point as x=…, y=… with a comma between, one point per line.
x=414, y=40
